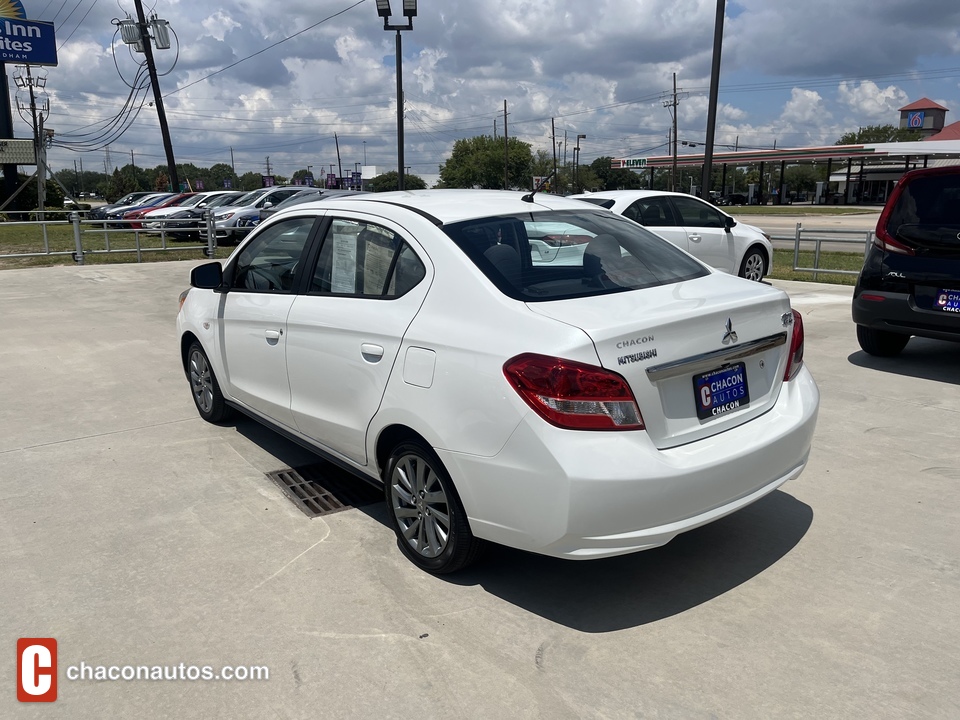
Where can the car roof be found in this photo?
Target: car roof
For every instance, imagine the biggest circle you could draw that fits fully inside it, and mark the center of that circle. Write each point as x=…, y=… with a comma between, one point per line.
x=621, y=194
x=450, y=206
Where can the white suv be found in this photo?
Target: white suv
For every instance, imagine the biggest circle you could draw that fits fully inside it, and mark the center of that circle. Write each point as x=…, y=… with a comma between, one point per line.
x=229, y=220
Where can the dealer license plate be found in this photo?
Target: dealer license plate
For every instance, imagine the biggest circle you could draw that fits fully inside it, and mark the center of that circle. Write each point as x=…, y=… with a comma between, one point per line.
x=947, y=300
x=721, y=391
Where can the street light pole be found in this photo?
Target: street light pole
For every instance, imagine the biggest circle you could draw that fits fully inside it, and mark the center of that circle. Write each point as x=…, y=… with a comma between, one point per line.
x=576, y=163
x=409, y=12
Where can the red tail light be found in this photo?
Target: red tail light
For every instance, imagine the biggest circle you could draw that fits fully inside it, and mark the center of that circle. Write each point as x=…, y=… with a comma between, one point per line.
x=574, y=395
x=884, y=240
x=795, y=358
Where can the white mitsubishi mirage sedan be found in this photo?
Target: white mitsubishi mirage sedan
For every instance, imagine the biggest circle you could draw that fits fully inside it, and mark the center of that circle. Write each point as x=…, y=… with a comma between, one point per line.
x=514, y=368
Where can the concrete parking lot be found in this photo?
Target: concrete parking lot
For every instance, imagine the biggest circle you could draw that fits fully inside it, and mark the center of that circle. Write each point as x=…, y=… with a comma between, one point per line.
x=136, y=534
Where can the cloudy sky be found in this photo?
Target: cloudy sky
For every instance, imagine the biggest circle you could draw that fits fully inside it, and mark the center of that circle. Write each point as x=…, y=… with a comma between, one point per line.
x=279, y=79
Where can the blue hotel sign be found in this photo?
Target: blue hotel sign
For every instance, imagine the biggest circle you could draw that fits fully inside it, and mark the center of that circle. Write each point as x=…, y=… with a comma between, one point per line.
x=27, y=42
x=23, y=41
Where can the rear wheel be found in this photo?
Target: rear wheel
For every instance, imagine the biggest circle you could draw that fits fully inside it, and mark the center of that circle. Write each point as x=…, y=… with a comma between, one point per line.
x=754, y=264
x=425, y=511
x=204, y=386
x=880, y=342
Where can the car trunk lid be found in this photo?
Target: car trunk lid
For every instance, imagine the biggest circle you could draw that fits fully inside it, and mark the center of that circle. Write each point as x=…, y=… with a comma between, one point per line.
x=701, y=356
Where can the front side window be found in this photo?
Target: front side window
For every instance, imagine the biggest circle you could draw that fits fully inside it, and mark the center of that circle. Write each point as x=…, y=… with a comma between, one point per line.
x=269, y=262
x=365, y=260
x=694, y=213
x=569, y=253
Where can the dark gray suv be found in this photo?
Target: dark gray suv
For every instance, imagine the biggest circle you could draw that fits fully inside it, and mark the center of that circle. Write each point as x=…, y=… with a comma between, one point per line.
x=910, y=281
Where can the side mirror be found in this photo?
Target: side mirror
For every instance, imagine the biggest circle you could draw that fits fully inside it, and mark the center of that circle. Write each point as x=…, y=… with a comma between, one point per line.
x=208, y=276
x=728, y=222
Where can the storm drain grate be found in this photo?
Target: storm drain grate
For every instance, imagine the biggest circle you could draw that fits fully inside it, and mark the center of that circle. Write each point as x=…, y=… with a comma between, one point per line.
x=323, y=489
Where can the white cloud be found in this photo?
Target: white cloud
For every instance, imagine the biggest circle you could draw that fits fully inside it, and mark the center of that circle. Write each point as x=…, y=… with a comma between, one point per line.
x=804, y=107
x=875, y=106
x=219, y=24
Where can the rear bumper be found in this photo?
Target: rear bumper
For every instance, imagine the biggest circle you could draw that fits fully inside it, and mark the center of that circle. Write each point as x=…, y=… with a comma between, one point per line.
x=898, y=313
x=583, y=495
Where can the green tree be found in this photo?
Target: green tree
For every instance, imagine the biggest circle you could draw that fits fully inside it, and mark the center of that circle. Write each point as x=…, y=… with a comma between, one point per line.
x=614, y=179
x=120, y=184
x=250, y=181
x=216, y=175
x=878, y=134
x=478, y=162
x=390, y=180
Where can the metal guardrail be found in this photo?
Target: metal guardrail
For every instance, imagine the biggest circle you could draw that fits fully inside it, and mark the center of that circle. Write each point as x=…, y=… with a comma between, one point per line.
x=118, y=228
x=818, y=236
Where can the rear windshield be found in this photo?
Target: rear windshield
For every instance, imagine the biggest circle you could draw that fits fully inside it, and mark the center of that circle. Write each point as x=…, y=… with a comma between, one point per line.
x=927, y=213
x=570, y=253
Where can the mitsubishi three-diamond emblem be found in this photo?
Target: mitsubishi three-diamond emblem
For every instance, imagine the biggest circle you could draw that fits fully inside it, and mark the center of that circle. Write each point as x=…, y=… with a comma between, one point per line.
x=730, y=336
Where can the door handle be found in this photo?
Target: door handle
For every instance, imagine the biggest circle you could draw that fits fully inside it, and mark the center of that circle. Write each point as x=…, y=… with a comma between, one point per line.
x=695, y=238
x=371, y=352
x=272, y=336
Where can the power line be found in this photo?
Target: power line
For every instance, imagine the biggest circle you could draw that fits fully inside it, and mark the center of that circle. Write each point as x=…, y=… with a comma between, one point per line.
x=78, y=25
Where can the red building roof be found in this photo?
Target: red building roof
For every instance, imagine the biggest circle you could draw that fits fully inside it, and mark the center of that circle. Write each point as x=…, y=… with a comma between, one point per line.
x=949, y=132
x=923, y=104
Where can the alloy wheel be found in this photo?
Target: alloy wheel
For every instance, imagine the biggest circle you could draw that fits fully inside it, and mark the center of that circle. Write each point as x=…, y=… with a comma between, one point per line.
x=420, y=505
x=201, y=381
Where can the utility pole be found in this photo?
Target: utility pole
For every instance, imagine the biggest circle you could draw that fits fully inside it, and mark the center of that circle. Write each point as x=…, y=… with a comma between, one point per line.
x=81, y=174
x=553, y=132
x=671, y=105
x=268, y=165
x=37, y=143
x=339, y=164
x=233, y=167
x=157, y=97
x=506, y=153
x=712, y=108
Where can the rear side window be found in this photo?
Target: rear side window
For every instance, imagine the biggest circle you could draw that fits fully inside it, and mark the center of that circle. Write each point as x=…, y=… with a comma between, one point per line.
x=362, y=259
x=570, y=253
x=651, y=211
x=694, y=213
x=927, y=212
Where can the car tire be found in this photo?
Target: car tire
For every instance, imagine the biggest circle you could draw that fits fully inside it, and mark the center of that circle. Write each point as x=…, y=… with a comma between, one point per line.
x=425, y=511
x=880, y=342
x=754, y=265
x=204, y=386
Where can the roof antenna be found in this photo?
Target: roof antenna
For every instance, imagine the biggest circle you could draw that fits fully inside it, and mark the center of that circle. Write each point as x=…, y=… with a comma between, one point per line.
x=529, y=196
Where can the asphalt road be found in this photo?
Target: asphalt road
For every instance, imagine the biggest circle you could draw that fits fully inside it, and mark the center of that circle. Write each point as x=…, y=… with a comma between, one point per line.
x=135, y=534
x=851, y=229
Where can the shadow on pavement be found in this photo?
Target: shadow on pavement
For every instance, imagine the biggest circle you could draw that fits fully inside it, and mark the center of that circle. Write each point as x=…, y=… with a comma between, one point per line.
x=615, y=593
x=606, y=595
x=925, y=359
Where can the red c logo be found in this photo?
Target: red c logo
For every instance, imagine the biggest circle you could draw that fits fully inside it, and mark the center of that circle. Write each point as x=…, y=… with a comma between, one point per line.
x=36, y=669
